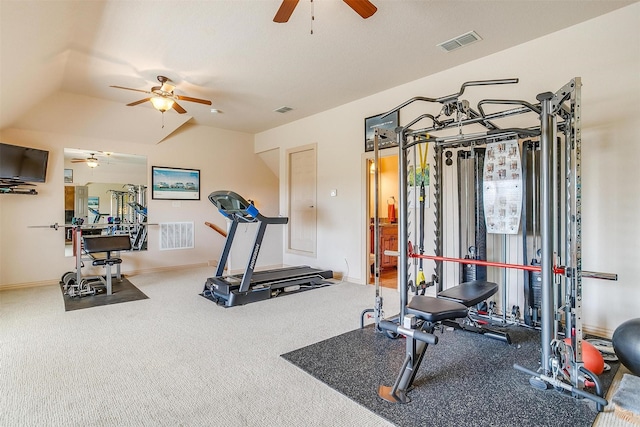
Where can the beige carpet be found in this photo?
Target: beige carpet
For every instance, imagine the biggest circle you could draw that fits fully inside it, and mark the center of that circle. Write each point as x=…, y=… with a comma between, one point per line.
x=176, y=359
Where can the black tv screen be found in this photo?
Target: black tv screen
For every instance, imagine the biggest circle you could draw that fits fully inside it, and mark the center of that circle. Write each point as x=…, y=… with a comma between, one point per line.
x=23, y=163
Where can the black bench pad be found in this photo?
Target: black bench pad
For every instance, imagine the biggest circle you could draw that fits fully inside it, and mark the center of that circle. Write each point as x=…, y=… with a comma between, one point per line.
x=470, y=293
x=435, y=309
x=118, y=242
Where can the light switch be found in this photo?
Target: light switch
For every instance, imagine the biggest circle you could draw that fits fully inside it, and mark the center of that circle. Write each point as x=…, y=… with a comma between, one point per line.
x=334, y=192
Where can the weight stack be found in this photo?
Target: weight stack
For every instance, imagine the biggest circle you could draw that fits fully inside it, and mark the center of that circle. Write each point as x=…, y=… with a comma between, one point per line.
x=535, y=289
x=468, y=271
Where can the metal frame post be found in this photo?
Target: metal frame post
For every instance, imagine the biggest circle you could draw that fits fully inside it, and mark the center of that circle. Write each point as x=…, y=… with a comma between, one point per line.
x=573, y=238
x=436, y=179
x=402, y=221
x=547, y=127
x=376, y=227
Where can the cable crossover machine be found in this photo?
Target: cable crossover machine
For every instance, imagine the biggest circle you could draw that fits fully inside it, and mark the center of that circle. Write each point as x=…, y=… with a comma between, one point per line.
x=500, y=193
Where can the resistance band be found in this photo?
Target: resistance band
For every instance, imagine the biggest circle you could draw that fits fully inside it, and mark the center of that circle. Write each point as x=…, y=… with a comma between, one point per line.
x=420, y=279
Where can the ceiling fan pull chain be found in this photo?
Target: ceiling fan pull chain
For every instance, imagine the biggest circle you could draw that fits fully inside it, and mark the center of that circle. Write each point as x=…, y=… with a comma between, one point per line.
x=312, y=17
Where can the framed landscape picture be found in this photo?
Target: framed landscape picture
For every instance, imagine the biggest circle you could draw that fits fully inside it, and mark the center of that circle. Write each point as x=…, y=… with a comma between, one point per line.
x=175, y=183
x=68, y=176
x=371, y=123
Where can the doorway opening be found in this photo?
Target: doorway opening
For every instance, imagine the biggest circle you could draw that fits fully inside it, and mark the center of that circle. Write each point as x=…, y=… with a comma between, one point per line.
x=387, y=222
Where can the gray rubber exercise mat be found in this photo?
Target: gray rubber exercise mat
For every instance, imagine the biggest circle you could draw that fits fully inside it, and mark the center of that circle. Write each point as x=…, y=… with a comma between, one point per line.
x=465, y=380
x=122, y=291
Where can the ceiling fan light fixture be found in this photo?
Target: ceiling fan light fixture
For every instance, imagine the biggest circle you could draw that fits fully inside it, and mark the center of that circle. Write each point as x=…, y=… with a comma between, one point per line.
x=162, y=104
x=92, y=163
x=162, y=97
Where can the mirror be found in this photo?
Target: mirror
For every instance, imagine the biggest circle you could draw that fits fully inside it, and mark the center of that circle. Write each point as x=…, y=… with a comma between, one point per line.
x=108, y=192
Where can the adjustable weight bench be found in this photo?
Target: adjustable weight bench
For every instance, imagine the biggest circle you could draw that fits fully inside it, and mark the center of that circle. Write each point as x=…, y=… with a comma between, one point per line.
x=106, y=244
x=423, y=314
x=469, y=294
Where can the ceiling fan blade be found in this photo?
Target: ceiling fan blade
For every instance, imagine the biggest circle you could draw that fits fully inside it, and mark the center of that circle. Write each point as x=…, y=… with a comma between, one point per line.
x=188, y=98
x=78, y=160
x=284, y=12
x=128, y=88
x=138, y=102
x=178, y=108
x=363, y=8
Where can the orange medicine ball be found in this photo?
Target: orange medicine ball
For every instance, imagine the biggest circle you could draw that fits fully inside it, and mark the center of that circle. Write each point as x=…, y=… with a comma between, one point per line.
x=591, y=357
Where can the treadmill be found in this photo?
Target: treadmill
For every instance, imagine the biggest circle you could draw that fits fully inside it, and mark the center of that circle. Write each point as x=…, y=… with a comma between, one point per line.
x=252, y=286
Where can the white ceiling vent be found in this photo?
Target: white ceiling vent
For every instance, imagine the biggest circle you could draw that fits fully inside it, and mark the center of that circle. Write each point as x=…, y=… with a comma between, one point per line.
x=460, y=41
x=283, y=110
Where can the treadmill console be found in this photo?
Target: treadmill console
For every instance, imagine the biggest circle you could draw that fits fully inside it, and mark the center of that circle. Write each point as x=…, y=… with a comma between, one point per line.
x=231, y=205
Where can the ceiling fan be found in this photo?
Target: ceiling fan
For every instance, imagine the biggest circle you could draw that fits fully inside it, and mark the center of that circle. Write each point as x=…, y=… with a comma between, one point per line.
x=163, y=98
x=363, y=8
x=91, y=161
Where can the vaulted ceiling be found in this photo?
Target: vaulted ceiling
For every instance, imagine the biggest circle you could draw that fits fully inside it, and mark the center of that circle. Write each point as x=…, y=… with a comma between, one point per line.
x=58, y=59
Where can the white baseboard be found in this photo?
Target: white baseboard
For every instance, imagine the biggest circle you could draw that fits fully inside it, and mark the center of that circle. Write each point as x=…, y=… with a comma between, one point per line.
x=597, y=331
x=338, y=277
x=162, y=269
x=6, y=287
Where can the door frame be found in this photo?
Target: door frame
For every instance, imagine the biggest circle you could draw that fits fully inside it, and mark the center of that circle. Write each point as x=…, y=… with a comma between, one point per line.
x=367, y=214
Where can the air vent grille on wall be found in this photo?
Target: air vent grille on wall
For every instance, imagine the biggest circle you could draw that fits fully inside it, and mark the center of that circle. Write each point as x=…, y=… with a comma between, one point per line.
x=283, y=110
x=176, y=235
x=460, y=41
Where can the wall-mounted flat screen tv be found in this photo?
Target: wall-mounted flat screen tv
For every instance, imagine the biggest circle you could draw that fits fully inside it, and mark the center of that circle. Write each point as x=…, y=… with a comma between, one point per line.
x=23, y=163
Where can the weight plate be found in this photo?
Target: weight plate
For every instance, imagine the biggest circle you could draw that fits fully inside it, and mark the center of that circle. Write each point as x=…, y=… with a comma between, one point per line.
x=603, y=346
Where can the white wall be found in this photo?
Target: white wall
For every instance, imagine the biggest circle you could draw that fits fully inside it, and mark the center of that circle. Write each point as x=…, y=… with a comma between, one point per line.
x=605, y=53
x=226, y=160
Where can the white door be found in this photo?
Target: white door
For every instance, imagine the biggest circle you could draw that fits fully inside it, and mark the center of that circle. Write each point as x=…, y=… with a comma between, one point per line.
x=81, y=202
x=302, y=200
